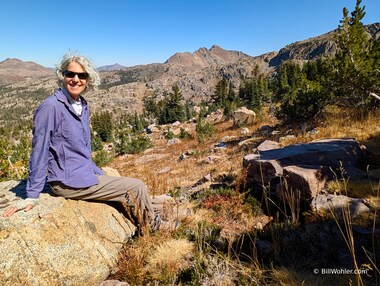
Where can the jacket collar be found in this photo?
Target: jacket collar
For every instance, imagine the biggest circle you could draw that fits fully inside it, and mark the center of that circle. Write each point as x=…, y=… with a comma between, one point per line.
x=63, y=95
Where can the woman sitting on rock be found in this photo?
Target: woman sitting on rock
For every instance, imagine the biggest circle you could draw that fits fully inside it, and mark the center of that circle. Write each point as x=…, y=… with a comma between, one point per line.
x=61, y=149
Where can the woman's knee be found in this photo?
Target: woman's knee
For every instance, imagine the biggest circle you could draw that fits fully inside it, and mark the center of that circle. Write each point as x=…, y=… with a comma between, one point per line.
x=136, y=184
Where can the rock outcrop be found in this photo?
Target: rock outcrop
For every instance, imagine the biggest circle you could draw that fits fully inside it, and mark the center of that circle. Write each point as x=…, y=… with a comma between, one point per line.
x=59, y=242
x=339, y=204
x=243, y=115
x=324, y=155
x=306, y=168
x=309, y=180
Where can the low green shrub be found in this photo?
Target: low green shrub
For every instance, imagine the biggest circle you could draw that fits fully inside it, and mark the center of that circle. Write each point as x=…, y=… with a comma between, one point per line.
x=133, y=144
x=205, y=131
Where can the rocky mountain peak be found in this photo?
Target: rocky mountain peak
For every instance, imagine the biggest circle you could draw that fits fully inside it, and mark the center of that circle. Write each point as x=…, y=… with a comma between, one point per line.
x=203, y=57
x=374, y=30
x=10, y=62
x=215, y=47
x=13, y=70
x=218, y=51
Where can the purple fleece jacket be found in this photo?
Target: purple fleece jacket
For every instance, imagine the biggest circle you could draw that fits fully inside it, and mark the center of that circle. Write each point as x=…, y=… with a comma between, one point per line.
x=61, y=146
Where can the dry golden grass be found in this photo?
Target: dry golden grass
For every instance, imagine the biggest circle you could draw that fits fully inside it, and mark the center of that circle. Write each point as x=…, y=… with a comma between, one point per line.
x=199, y=216
x=340, y=124
x=353, y=188
x=131, y=263
x=162, y=171
x=168, y=258
x=152, y=257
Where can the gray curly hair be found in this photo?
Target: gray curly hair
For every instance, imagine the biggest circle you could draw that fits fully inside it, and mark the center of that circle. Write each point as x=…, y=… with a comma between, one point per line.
x=69, y=57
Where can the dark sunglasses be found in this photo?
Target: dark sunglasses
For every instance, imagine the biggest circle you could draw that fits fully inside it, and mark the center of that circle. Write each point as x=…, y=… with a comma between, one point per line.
x=71, y=74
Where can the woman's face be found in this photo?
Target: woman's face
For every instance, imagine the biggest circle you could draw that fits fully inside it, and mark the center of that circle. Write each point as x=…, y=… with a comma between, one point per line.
x=72, y=81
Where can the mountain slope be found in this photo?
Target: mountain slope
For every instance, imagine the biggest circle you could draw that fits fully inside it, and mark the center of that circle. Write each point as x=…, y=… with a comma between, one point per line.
x=320, y=46
x=14, y=70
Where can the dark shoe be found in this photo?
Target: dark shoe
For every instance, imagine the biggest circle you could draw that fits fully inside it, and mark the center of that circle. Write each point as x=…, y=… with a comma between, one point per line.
x=156, y=223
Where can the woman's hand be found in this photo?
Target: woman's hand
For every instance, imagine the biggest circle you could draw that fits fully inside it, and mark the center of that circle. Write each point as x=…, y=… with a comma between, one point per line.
x=25, y=205
x=10, y=211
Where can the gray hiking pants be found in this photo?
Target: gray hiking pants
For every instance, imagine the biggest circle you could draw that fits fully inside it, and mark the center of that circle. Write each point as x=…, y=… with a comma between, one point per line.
x=131, y=192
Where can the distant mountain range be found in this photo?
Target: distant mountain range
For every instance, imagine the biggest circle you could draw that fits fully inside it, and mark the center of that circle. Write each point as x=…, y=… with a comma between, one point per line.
x=195, y=73
x=113, y=67
x=14, y=70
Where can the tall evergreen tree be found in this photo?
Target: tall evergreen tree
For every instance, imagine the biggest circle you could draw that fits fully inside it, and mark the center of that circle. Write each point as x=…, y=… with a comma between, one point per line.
x=220, y=95
x=137, y=123
x=102, y=124
x=254, y=90
x=151, y=106
x=172, y=108
x=231, y=95
x=189, y=111
x=357, y=62
x=303, y=92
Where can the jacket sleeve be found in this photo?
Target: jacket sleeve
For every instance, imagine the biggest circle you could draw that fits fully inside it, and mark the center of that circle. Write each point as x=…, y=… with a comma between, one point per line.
x=44, y=122
x=97, y=170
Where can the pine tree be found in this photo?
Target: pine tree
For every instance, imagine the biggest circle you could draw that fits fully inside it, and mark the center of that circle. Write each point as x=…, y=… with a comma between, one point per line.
x=189, y=110
x=220, y=95
x=254, y=90
x=357, y=62
x=171, y=108
x=231, y=95
x=151, y=106
x=137, y=123
x=102, y=124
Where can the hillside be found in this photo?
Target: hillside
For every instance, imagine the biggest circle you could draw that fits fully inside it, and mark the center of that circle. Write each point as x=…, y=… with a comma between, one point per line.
x=15, y=70
x=123, y=89
x=320, y=46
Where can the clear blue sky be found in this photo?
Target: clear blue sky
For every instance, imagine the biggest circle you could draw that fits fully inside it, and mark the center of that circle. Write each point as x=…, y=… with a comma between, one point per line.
x=131, y=32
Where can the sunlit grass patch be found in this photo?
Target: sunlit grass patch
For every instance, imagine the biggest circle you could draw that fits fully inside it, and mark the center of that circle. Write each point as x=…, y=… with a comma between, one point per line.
x=167, y=259
x=353, y=188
